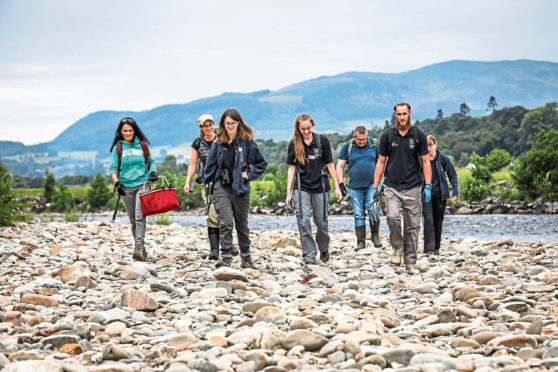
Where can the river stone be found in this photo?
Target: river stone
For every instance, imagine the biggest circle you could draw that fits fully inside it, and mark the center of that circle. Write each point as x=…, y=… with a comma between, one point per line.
x=311, y=341
x=103, y=317
x=138, y=300
x=57, y=341
x=528, y=353
x=213, y=292
x=115, y=328
x=400, y=355
x=113, y=352
x=483, y=337
x=464, y=342
x=517, y=307
x=515, y=341
x=467, y=293
x=427, y=358
x=226, y=274
x=505, y=241
x=535, y=328
x=489, y=280
x=36, y=299
x=331, y=347
x=270, y=314
x=242, y=337
x=446, y=316
x=34, y=365
x=253, y=307
x=301, y=323
x=283, y=243
x=85, y=282
x=267, y=338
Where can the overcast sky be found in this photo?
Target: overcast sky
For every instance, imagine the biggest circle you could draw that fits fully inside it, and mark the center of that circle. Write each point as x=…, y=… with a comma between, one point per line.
x=60, y=60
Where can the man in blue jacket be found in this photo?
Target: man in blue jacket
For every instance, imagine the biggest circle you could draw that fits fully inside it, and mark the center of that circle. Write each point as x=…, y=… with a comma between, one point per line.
x=360, y=154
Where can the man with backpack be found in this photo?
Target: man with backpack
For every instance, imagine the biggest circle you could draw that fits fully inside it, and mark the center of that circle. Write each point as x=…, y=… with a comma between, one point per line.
x=407, y=170
x=360, y=154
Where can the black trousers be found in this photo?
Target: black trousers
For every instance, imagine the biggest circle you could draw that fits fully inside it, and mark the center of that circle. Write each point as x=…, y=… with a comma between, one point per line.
x=233, y=213
x=433, y=218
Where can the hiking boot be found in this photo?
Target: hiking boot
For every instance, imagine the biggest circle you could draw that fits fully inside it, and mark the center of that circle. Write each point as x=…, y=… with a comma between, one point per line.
x=225, y=261
x=247, y=263
x=306, y=270
x=234, y=251
x=324, y=256
x=396, y=256
x=213, y=235
x=360, y=232
x=411, y=269
x=374, y=232
x=140, y=254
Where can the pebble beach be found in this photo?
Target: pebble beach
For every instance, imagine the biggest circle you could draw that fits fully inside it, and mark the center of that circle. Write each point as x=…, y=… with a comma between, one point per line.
x=72, y=299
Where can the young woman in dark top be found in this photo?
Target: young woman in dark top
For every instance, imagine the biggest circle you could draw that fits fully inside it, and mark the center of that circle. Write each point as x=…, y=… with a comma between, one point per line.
x=433, y=212
x=310, y=160
x=233, y=161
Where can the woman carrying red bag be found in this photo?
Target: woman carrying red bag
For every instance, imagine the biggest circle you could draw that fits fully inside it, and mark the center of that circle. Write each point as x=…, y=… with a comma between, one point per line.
x=131, y=170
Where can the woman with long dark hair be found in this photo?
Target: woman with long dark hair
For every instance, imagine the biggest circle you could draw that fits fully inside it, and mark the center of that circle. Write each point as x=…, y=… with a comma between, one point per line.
x=233, y=161
x=310, y=160
x=433, y=211
x=131, y=170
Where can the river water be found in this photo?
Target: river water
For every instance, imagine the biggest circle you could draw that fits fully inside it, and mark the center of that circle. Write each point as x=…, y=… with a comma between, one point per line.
x=486, y=227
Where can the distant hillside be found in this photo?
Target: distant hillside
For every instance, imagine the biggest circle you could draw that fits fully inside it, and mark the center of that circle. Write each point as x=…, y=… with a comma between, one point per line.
x=337, y=103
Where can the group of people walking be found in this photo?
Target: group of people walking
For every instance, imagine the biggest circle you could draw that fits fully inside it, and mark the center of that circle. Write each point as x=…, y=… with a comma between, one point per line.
x=412, y=170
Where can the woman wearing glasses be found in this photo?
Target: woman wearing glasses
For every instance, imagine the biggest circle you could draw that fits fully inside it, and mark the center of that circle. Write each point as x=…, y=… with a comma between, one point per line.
x=233, y=161
x=198, y=159
x=309, y=159
x=131, y=168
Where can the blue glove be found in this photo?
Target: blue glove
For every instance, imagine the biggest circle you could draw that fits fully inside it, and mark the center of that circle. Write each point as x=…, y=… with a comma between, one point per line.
x=375, y=193
x=427, y=193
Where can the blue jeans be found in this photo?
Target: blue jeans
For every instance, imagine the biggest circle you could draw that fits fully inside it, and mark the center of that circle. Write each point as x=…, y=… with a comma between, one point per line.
x=361, y=200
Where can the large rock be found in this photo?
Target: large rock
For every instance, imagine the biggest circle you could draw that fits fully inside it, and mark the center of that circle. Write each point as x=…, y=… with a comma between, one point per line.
x=138, y=300
x=515, y=341
x=267, y=338
x=227, y=274
x=270, y=314
x=34, y=365
x=310, y=341
x=400, y=355
x=36, y=299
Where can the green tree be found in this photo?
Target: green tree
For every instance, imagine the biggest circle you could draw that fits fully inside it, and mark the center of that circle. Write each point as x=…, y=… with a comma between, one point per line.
x=98, y=193
x=536, y=172
x=50, y=184
x=464, y=109
x=439, y=114
x=62, y=199
x=491, y=104
x=10, y=209
x=497, y=159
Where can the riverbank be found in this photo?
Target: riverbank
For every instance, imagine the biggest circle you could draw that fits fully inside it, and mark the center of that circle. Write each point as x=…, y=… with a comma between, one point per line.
x=72, y=299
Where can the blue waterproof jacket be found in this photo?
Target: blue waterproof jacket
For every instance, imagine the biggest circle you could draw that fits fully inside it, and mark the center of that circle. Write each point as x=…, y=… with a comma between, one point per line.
x=253, y=157
x=452, y=175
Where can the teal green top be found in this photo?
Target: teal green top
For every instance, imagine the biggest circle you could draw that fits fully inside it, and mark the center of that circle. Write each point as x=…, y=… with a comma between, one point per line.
x=132, y=166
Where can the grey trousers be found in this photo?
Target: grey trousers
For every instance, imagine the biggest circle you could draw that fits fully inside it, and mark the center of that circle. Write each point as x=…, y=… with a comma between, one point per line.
x=135, y=214
x=316, y=202
x=409, y=201
x=233, y=212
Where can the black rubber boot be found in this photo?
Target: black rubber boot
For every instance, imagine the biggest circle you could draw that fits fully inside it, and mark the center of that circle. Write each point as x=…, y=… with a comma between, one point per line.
x=374, y=233
x=324, y=256
x=360, y=232
x=247, y=263
x=234, y=251
x=213, y=235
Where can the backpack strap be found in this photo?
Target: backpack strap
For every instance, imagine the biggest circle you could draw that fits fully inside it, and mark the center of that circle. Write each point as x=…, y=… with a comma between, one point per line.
x=119, y=151
x=145, y=155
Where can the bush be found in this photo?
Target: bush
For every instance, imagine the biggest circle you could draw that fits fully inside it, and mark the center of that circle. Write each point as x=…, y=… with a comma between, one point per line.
x=111, y=204
x=474, y=189
x=480, y=171
x=72, y=215
x=163, y=219
x=497, y=159
x=10, y=209
x=62, y=199
x=98, y=194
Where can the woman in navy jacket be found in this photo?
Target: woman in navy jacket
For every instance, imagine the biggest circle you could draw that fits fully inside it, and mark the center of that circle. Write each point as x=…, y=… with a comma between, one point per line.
x=433, y=212
x=233, y=161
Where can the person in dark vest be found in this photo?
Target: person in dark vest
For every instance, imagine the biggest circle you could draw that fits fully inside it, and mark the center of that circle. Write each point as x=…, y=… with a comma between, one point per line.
x=132, y=169
x=433, y=212
x=198, y=159
x=309, y=159
x=360, y=154
x=233, y=161
x=405, y=149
